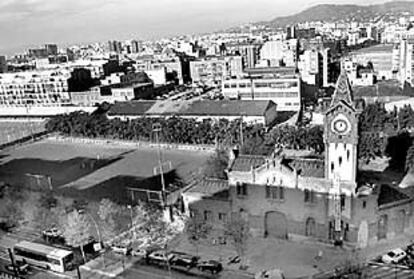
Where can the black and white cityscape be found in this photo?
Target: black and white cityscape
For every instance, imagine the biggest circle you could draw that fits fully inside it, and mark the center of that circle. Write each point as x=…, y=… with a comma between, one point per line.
x=206, y=139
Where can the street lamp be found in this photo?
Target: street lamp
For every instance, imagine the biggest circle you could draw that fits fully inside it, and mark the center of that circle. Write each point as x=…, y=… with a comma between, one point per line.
x=97, y=231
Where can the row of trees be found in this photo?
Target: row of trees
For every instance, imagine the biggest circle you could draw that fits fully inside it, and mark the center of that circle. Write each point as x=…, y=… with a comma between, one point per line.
x=174, y=129
x=256, y=139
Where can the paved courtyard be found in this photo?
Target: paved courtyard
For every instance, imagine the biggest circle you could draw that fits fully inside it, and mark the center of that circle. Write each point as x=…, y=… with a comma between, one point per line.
x=296, y=258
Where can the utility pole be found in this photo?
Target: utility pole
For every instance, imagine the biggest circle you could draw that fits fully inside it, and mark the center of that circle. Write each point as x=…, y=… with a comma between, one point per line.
x=156, y=128
x=241, y=130
x=16, y=272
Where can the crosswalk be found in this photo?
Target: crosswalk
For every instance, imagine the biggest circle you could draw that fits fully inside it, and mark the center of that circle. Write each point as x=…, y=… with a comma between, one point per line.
x=380, y=271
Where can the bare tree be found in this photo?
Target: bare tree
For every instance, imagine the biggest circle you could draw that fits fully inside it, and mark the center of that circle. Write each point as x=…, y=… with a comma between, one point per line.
x=76, y=230
x=238, y=230
x=197, y=230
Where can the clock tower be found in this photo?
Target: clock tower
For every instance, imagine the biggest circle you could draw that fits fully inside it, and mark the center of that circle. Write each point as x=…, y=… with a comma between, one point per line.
x=341, y=134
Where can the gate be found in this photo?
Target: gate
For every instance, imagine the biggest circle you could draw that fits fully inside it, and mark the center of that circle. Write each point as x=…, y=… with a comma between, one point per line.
x=276, y=225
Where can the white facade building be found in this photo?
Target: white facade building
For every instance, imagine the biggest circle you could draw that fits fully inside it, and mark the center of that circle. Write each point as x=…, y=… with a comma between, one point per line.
x=285, y=92
x=43, y=88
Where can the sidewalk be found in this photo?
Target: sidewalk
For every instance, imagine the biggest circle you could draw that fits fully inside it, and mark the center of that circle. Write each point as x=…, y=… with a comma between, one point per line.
x=114, y=266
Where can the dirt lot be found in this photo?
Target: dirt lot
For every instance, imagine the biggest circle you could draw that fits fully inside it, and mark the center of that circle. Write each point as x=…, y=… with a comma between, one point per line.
x=94, y=171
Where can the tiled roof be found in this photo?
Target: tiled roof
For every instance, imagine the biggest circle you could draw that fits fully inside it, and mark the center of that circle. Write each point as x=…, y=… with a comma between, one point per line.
x=209, y=187
x=307, y=167
x=190, y=108
x=246, y=162
x=130, y=108
x=227, y=108
x=388, y=194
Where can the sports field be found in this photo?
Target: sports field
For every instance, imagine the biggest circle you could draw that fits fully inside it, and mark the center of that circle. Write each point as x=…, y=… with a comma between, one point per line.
x=95, y=171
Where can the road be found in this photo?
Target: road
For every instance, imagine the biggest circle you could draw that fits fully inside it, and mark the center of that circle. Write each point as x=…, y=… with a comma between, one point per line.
x=151, y=272
x=375, y=271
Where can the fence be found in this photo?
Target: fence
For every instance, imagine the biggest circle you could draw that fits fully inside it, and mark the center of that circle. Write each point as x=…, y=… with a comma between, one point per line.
x=125, y=143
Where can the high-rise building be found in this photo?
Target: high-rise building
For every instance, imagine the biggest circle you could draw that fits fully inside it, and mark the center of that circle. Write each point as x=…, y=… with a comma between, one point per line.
x=51, y=49
x=136, y=46
x=405, y=61
x=38, y=52
x=291, y=32
x=3, y=64
x=114, y=46
x=311, y=67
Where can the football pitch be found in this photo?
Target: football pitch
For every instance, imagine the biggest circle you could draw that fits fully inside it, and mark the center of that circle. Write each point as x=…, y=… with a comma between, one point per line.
x=95, y=170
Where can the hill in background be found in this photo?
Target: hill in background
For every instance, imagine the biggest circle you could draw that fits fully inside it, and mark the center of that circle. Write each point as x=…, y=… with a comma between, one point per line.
x=337, y=13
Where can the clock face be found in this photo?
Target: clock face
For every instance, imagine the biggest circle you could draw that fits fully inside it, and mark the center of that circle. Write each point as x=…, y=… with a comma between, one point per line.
x=340, y=125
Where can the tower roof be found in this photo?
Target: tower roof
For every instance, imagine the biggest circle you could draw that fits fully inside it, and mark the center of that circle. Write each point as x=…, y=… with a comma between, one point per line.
x=343, y=91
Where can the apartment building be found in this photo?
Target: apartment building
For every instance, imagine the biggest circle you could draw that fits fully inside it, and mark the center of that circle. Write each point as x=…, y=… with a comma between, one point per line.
x=211, y=71
x=43, y=88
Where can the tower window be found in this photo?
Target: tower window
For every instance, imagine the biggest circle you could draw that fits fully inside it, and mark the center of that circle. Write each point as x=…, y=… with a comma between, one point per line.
x=364, y=204
x=347, y=155
x=332, y=166
x=340, y=161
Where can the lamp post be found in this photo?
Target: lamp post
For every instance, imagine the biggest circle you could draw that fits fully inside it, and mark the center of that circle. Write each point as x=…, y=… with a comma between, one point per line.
x=98, y=231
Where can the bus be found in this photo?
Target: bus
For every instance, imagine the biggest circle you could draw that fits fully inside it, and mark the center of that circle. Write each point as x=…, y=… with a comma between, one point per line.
x=44, y=256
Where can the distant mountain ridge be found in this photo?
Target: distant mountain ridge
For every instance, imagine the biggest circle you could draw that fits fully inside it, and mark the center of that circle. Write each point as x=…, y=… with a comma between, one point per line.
x=334, y=12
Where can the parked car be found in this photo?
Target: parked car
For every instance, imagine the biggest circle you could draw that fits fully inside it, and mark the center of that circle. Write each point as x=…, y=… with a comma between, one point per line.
x=394, y=256
x=52, y=232
x=184, y=260
x=160, y=257
x=213, y=266
x=121, y=249
x=139, y=252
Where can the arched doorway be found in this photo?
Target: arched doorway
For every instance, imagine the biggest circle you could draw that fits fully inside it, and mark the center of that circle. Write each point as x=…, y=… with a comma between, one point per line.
x=310, y=227
x=363, y=234
x=276, y=225
x=382, y=227
x=400, y=221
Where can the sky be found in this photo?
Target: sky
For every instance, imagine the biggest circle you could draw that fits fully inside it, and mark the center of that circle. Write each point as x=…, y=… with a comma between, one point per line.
x=35, y=22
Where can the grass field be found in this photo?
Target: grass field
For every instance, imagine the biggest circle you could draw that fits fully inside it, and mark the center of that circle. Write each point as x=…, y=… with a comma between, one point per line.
x=11, y=131
x=95, y=171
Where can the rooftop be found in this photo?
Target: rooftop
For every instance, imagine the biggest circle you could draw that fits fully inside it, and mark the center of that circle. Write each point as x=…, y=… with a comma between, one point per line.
x=130, y=108
x=189, y=108
x=309, y=167
x=388, y=194
x=49, y=250
x=211, y=187
x=247, y=162
x=377, y=48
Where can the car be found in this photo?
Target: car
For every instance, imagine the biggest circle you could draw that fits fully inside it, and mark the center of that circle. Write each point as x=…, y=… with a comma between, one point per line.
x=22, y=267
x=395, y=256
x=184, y=260
x=52, y=232
x=139, y=252
x=121, y=249
x=159, y=257
x=210, y=265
